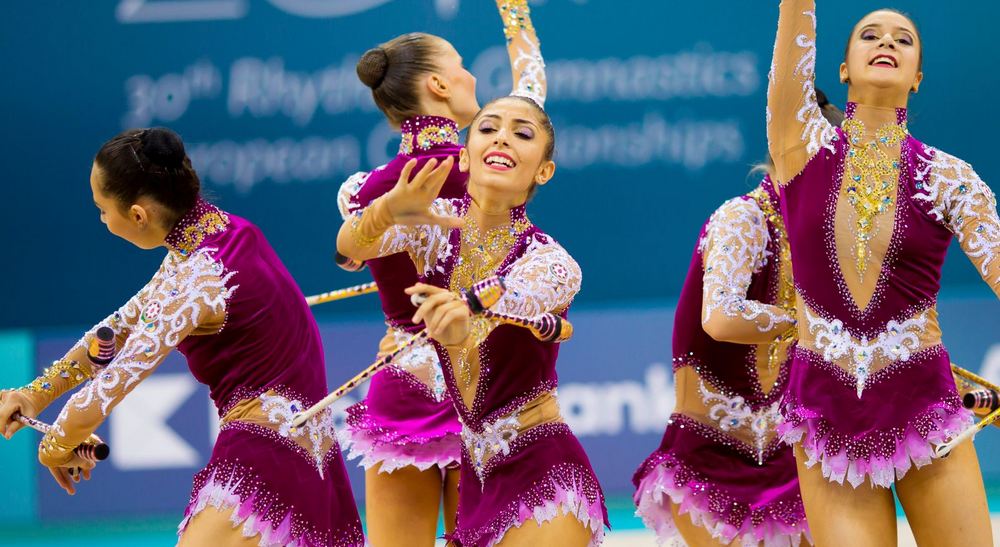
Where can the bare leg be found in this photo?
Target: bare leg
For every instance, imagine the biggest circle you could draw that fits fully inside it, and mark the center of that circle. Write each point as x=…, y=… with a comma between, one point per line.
x=694, y=536
x=945, y=502
x=213, y=527
x=843, y=515
x=402, y=506
x=563, y=530
x=451, y=499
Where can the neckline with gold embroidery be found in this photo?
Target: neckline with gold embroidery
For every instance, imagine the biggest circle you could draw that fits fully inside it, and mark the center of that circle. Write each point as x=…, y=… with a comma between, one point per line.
x=481, y=255
x=204, y=219
x=873, y=177
x=425, y=132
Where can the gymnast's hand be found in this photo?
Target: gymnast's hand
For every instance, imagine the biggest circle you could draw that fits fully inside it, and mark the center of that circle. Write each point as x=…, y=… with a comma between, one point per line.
x=409, y=202
x=444, y=313
x=70, y=473
x=12, y=404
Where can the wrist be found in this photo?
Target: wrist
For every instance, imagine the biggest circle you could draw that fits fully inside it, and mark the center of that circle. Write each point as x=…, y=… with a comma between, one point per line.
x=373, y=222
x=52, y=453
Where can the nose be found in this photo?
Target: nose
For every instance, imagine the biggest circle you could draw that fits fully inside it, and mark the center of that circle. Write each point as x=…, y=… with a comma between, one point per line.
x=501, y=137
x=887, y=41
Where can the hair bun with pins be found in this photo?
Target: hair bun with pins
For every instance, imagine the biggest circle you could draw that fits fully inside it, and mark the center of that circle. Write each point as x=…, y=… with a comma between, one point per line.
x=372, y=67
x=163, y=147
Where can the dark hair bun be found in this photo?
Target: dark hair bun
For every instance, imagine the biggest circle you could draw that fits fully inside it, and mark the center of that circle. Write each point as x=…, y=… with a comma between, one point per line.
x=163, y=147
x=372, y=67
x=821, y=99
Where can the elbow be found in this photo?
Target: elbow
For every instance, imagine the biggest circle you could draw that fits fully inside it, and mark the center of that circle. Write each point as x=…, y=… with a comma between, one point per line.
x=719, y=330
x=345, y=246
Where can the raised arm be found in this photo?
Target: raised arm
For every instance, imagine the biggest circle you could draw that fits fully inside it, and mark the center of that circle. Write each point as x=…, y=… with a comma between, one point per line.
x=965, y=204
x=796, y=128
x=544, y=280
x=526, y=64
x=734, y=248
x=187, y=294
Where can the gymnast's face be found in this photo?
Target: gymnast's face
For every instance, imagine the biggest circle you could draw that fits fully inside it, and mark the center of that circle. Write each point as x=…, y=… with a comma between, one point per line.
x=506, y=149
x=883, y=55
x=461, y=84
x=134, y=223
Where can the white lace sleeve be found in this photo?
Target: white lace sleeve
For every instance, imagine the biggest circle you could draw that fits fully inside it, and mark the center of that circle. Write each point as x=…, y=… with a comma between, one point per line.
x=734, y=249
x=796, y=128
x=959, y=199
x=526, y=63
x=428, y=246
x=348, y=190
x=545, y=279
x=186, y=293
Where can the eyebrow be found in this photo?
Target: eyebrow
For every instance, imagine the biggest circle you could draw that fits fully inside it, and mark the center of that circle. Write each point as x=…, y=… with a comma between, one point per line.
x=876, y=25
x=516, y=120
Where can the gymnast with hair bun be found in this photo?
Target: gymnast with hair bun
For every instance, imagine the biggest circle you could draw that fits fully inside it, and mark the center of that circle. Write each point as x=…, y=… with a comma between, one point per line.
x=406, y=431
x=222, y=298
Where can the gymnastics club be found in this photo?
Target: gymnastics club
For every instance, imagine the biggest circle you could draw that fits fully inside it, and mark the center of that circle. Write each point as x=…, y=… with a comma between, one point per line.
x=547, y=327
x=92, y=449
x=341, y=294
x=348, y=263
x=944, y=449
x=481, y=296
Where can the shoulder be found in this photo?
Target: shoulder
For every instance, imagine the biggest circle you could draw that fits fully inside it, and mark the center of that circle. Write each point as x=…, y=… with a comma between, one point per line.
x=544, y=248
x=738, y=222
x=738, y=209
x=936, y=170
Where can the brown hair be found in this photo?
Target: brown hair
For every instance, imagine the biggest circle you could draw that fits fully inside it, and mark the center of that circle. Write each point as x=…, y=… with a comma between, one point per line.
x=920, y=39
x=392, y=70
x=149, y=162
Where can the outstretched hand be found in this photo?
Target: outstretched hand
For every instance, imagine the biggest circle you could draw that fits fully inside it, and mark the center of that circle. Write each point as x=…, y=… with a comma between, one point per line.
x=409, y=202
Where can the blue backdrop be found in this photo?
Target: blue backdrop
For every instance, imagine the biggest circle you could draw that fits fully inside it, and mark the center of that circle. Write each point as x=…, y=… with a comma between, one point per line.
x=658, y=106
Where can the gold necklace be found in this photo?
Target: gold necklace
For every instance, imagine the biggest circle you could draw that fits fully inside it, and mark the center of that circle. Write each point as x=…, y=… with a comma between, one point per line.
x=873, y=176
x=480, y=255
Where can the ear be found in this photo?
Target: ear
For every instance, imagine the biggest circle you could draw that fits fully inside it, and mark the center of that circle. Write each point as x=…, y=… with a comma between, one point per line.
x=916, y=81
x=464, y=160
x=843, y=73
x=139, y=216
x=438, y=87
x=545, y=172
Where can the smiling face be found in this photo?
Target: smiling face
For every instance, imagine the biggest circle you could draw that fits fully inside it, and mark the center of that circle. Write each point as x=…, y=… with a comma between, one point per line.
x=509, y=149
x=883, y=55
